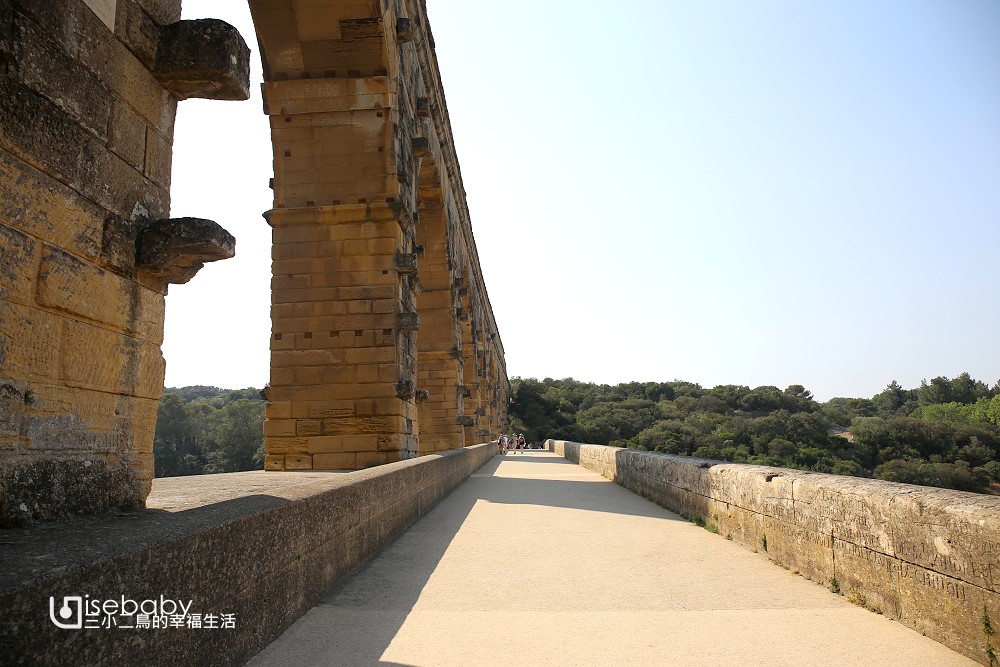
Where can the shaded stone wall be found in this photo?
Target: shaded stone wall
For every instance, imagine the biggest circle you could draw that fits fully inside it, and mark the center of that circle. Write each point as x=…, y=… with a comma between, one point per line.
x=88, y=93
x=929, y=558
x=262, y=550
x=383, y=345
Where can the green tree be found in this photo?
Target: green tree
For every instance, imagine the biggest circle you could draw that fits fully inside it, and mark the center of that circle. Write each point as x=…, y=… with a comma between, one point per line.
x=238, y=432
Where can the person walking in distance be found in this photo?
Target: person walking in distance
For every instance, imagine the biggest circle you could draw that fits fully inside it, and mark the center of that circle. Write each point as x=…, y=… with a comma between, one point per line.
x=521, y=442
x=502, y=443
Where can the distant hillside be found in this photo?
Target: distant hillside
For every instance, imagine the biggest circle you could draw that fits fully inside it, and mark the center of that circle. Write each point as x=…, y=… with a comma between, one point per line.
x=945, y=433
x=208, y=429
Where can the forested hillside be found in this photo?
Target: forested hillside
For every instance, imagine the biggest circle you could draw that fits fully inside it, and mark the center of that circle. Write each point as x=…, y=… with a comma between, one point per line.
x=207, y=429
x=944, y=433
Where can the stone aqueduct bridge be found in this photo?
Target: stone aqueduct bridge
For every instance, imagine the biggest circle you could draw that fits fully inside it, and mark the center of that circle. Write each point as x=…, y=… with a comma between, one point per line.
x=384, y=345
x=383, y=348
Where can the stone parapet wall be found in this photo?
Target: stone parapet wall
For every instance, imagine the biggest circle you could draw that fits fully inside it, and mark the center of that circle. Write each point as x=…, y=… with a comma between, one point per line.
x=261, y=545
x=929, y=558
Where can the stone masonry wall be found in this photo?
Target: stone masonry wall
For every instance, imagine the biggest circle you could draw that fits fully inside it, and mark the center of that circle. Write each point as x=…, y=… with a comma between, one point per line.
x=266, y=554
x=375, y=272
x=929, y=558
x=88, y=93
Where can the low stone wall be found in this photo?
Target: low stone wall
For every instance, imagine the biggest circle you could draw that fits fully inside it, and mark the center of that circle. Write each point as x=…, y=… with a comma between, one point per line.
x=262, y=546
x=929, y=558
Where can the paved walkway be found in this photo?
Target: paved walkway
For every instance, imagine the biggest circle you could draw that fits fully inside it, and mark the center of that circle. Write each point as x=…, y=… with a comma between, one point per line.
x=537, y=561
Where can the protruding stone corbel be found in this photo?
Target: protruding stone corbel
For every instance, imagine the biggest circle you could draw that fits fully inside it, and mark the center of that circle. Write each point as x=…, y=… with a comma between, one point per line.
x=421, y=147
x=403, y=215
x=405, y=389
x=481, y=411
x=423, y=108
x=416, y=285
x=204, y=58
x=421, y=395
x=462, y=314
x=404, y=30
x=405, y=262
x=174, y=250
x=465, y=420
x=407, y=321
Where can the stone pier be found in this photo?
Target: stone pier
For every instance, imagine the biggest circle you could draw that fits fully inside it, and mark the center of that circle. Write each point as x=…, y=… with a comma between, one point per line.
x=383, y=345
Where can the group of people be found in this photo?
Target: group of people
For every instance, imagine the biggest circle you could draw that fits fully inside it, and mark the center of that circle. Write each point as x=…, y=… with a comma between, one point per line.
x=513, y=441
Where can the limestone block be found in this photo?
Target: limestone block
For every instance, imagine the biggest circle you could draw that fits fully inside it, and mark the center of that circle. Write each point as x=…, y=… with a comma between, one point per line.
x=12, y=402
x=369, y=459
x=137, y=31
x=956, y=534
x=356, y=426
x=335, y=461
x=325, y=444
x=287, y=445
x=46, y=489
x=127, y=135
x=87, y=291
x=30, y=342
x=118, y=245
x=96, y=358
x=42, y=134
x=129, y=79
x=48, y=70
x=47, y=210
x=158, y=158
x=322, y=96
x=298, y=462
x=204, y=58
x=161, y=11
x=17, y=265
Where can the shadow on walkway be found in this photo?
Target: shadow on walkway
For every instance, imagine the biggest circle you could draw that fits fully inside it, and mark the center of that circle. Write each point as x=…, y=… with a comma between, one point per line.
x=357, y=622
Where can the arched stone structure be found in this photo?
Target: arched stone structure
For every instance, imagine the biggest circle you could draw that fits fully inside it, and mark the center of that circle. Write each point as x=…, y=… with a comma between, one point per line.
x=383, y=343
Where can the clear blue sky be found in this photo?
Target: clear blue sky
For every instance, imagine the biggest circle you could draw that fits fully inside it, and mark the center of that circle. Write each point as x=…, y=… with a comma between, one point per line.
x=760, y=192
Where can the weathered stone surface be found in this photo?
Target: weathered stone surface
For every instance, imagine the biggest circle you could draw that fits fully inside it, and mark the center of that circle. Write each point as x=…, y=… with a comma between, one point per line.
x=366, y=182
x=204, y=58
x=925, y=557
x=263, y=546
x=174, y=250
x=85, y=147
x=48, y=489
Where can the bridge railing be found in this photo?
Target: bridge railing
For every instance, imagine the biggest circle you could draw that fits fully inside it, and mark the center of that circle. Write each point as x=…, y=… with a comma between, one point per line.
x=929, y=558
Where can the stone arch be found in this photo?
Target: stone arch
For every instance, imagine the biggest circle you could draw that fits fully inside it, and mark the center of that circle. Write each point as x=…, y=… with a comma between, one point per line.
x=439, y=362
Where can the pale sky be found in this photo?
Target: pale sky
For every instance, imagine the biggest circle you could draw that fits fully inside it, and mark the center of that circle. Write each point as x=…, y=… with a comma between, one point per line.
x=753, y=192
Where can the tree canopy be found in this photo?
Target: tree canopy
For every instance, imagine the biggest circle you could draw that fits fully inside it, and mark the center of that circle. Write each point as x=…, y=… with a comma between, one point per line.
x=207, y=429
x=944, y=433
